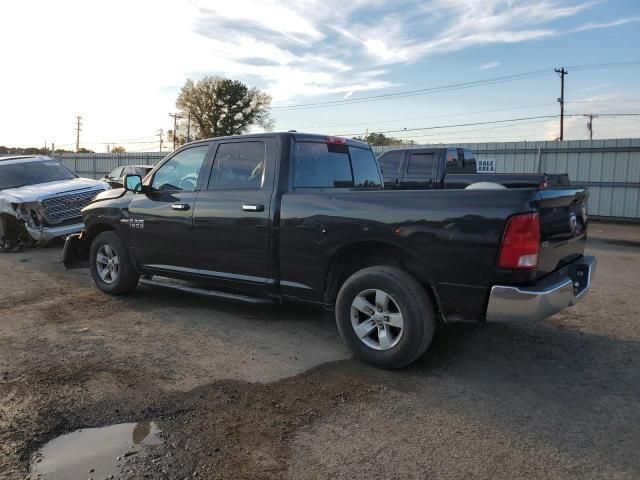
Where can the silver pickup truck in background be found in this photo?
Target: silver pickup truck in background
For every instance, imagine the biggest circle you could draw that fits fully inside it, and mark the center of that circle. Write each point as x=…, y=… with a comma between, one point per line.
x=40, y=199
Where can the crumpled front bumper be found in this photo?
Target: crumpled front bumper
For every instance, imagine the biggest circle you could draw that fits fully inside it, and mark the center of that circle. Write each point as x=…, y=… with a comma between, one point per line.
x=43, y=235
x=551, y=294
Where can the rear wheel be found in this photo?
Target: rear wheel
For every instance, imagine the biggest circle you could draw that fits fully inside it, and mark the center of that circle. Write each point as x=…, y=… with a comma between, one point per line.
x=110, y=265
x=385, y=316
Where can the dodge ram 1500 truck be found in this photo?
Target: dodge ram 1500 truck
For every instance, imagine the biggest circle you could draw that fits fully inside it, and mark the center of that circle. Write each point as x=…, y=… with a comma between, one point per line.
x=291, y=216
x=449, y=167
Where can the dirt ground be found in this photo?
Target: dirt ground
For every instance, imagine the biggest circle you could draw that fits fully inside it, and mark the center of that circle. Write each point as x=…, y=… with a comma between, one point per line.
x=271, y=392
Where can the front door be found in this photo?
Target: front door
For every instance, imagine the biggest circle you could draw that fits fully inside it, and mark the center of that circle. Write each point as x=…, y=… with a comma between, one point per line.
x=161, y=220
x=232, y=227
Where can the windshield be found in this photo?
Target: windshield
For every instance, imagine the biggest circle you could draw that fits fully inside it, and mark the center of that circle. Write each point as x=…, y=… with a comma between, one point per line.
x=16, y=175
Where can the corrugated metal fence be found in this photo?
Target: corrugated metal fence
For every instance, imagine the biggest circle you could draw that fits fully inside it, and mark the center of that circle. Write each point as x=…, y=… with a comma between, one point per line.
x=610, y=168
x=97, y=165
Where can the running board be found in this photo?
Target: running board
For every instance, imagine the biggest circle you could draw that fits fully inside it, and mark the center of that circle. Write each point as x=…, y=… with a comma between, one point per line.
x=205, y=292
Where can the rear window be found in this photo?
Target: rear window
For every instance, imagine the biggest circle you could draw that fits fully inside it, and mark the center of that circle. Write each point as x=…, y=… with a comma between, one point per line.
x=317, y=165
x=421, y=163
x=365, y=168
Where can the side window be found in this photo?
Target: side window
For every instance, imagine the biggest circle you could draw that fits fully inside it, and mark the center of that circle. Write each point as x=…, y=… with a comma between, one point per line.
x=239, y=165
x=181, y=171
x=365, y=168
x=421, y=164
x=469, y=162
x=115, y=173
x=317, y=167
x=390, y=163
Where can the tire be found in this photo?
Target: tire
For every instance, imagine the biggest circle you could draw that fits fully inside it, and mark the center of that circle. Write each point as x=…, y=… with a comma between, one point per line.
x=386, y=345
x=117, y=277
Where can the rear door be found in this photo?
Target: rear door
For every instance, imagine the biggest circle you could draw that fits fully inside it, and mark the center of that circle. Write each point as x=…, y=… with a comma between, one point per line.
x=390, y=166
x=232, y=218
x=420, y=170
x=160, y=221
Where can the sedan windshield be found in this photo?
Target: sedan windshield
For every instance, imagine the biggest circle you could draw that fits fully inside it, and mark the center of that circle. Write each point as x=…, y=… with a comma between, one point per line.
x=21, y=174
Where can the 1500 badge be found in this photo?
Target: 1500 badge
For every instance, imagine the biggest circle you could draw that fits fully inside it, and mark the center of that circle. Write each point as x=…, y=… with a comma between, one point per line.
x=133, y=222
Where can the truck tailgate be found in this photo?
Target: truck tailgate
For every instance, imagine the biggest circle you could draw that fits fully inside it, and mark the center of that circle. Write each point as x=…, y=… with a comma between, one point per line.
x=563, y=227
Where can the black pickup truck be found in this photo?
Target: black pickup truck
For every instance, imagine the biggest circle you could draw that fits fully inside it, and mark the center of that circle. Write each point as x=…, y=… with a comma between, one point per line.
x=291, y=216
x=451, y=167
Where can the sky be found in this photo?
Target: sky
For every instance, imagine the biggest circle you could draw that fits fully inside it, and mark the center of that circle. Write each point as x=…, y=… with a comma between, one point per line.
x=120, y=65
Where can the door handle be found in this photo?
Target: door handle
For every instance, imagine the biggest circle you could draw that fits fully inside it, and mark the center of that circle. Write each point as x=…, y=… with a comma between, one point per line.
x=180, y=206
x=253, y=208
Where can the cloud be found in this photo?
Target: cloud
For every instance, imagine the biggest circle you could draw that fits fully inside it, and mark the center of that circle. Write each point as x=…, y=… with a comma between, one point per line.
x=594, y=87
x=298, y=48
x=489, y=65
x=613, y=23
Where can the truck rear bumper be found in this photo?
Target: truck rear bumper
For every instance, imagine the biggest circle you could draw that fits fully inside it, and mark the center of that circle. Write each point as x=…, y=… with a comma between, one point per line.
x=555, y=292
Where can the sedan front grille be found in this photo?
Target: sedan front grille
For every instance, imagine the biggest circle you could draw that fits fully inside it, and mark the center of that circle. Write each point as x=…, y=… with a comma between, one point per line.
x=67, y=207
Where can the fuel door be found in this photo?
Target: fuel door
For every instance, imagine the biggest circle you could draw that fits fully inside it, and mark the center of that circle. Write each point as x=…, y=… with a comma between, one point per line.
x=318, y=231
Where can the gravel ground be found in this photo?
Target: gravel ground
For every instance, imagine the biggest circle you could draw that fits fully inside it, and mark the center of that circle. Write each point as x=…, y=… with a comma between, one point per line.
x=270, y=392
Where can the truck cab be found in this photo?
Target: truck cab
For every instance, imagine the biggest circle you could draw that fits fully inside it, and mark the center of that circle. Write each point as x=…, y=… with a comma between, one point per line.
x=446, y=168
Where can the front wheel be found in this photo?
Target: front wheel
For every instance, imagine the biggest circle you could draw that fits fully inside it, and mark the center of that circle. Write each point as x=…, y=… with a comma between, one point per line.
x=110, y=265
x=385, y=316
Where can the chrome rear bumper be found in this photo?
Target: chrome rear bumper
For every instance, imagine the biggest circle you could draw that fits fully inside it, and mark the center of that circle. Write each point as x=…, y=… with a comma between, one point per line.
x=555, y=292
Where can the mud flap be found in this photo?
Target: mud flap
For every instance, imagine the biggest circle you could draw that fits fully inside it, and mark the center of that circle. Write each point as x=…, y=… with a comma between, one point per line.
x=75, y=253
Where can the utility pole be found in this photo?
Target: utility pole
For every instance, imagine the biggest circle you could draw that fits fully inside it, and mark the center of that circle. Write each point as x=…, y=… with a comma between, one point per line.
x=175, y=116
x=78, y=130
x=160, y=134
x=53, y=149
x=562, y=72
x=189, y=127
x=590, y=125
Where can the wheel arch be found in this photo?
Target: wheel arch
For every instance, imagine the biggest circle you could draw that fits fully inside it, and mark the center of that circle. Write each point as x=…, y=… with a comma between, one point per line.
x=92, y=231
x=355, y=256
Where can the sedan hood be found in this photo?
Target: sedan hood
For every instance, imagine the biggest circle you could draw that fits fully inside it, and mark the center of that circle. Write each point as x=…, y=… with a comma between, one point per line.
x=32, y=193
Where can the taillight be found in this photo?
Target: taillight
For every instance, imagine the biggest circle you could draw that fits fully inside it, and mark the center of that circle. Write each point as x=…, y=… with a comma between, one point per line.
x=520, y=245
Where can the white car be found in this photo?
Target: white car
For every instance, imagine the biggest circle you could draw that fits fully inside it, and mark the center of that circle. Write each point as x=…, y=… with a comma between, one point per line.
x=40, y=199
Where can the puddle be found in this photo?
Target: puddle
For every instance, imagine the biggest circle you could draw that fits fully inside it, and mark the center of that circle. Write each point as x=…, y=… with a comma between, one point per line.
x=96, y=453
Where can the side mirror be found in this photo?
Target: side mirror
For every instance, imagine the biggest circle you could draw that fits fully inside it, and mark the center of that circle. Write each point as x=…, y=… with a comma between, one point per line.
x=133, y=183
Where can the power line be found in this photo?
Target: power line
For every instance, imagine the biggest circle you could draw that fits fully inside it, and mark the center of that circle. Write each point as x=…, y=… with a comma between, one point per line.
x=516, y=125
x=602, y=66
x=521, y=107
x=422, y=91
x=456, y=125
x=456, y=86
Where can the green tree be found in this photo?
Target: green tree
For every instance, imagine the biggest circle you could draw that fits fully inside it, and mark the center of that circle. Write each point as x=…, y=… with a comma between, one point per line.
x=118, y=149
x=379, y=139
x=220, y=106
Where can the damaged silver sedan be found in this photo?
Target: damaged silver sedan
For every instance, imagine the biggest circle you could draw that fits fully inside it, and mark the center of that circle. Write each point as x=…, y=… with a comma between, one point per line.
x=40, y=199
